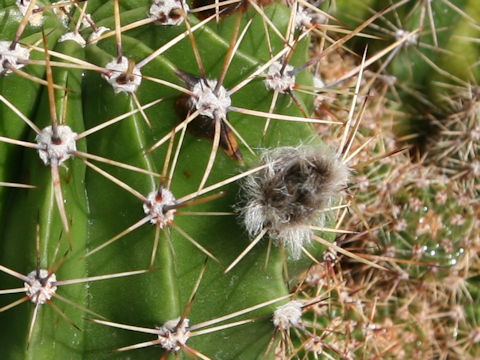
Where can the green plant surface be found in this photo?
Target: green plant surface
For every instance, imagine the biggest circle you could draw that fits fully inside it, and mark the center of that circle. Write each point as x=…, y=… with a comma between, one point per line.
x=29, y=208
x=97, y=209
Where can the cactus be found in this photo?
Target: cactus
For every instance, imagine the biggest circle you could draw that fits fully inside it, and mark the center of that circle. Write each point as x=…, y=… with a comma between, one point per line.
x=417, y=203
x=150, y=151
x=64, y=82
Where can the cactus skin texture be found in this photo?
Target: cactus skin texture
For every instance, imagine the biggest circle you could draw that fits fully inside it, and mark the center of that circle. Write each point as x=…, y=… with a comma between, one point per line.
x=97, y=209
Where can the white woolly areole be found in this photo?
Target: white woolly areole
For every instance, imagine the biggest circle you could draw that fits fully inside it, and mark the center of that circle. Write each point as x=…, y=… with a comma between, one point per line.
x=73, y=36
x=412, y=40
x=12, y=58
x=56, y=151
x=207, y=102
x=40, y=288
x=314, y=344
x=36, y=19
x=60, y=13
x=280, y=81
x=116, y=76
x=330, y=254
x=92, y=39
x=154, y=207
x=288, y=315
x=475, y=167
x=475, y=133
x=303, y=18
x=166, y=12
x=171, y=336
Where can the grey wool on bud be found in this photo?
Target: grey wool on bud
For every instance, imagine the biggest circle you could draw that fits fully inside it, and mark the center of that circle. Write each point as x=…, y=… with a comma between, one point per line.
x=291, y=193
